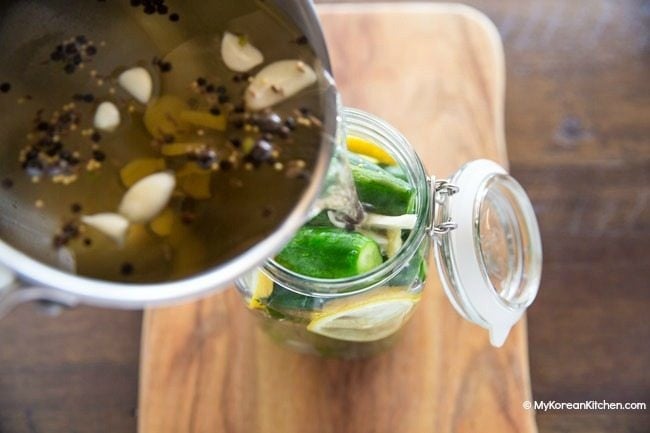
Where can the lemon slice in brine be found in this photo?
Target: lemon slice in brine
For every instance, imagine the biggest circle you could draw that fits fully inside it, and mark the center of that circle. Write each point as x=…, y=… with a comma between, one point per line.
x=365, y=147
x=369, y=319
x=262, y=289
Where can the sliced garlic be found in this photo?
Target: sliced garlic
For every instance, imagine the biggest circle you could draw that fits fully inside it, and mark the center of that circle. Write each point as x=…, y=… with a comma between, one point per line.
x=107, y=117
x=404, y=222
x=148, y=197
x=277, y=82
x=137, y=81
x=112, y=225
x=238, y=54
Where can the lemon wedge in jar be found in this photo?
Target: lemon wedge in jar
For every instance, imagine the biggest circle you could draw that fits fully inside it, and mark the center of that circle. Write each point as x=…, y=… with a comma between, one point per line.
x=367, y=148
x=369, y=319
x=262, y=289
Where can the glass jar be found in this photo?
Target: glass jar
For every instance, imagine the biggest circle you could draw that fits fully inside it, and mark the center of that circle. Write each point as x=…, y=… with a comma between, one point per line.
x=490, y=281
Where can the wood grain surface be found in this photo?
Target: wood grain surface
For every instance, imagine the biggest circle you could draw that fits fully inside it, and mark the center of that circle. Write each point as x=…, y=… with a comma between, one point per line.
x=206, y=367
x=577, y=109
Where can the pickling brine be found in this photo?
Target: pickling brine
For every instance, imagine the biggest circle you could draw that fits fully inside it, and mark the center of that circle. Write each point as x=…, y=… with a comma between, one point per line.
x=162, y=150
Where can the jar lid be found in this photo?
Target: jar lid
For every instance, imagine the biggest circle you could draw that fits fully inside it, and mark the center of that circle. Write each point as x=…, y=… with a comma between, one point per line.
x=490, y=265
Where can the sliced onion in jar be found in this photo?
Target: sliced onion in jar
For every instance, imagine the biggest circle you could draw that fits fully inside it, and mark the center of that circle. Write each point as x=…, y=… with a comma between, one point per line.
x=403, y=222
x=381, y=240
x=394, y=244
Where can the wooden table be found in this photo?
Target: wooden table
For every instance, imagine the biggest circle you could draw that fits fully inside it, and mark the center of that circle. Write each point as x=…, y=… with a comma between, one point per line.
x=577, y=112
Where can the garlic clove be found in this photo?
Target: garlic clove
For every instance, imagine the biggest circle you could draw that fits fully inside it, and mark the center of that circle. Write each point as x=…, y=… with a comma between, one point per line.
x=138, y=82
x=112, y=225
x=107, y=117
x=277, y=82
x=147, y=197
x=238, y=54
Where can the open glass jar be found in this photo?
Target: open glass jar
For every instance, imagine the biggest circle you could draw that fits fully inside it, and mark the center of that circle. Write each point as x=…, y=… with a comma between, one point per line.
x=487, y=247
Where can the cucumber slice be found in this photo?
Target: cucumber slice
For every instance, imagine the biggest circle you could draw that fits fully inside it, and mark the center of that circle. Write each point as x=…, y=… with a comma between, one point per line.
x=416, y=268
x=396, y=171
x=323, y=252
x=361, y=161
x=384, y=188
x=386, y=194
x=286, y=301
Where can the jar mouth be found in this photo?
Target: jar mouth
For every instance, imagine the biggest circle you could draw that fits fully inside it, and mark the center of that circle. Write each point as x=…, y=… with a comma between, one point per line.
x=376, y=130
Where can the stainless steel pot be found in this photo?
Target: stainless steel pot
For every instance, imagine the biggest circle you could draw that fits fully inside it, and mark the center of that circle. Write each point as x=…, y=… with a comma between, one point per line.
x=25, y=278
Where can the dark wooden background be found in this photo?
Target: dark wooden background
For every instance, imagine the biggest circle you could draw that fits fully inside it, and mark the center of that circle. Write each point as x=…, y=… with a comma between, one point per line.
x=578, y=131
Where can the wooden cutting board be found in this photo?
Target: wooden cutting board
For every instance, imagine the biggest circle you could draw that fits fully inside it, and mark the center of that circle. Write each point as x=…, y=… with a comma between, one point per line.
x=436, y=72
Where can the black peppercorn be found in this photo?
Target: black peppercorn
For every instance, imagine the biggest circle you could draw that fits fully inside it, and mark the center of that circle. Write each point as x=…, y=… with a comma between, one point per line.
x=261, y=152
x=99, y=156
x=126, y=269
x=269, y=122
x=225, y=165
x=71, y=48
x=7, y=183
x=284, y=132
x=290, y=123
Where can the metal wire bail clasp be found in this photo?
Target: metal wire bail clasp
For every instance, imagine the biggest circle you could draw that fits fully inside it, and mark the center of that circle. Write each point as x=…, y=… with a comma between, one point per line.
x=441, y=191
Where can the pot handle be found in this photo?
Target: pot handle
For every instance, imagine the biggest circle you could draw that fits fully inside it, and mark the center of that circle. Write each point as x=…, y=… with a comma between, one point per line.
x=14, y=292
